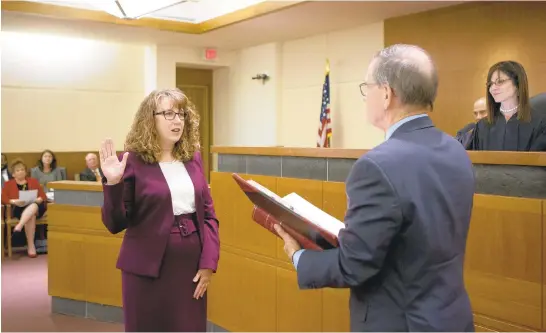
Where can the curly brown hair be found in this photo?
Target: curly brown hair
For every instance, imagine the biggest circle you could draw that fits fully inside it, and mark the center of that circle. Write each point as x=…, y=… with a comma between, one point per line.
x=143, y=138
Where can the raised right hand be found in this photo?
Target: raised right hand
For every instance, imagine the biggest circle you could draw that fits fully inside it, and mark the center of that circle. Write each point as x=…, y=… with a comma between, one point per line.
x=111, y=166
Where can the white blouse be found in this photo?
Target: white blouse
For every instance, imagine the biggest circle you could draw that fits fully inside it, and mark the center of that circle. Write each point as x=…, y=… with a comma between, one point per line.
x=181, y=187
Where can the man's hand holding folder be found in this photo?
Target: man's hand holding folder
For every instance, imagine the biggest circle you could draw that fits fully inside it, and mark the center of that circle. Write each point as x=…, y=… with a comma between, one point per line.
x=291, y=245
x=306, y=224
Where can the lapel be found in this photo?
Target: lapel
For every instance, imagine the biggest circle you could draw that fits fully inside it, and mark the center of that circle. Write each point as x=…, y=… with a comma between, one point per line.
x=193, y=172
x=156, y=182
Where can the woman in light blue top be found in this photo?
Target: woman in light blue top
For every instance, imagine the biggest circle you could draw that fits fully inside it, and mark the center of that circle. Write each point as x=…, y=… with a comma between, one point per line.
x=47, y=170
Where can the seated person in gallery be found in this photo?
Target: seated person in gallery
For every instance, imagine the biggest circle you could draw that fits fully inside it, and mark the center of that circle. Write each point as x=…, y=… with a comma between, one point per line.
x=6, y=175
x=512, y=124
x=46, y=170
x=27, y=213
x=464, y=136
x=92, y=173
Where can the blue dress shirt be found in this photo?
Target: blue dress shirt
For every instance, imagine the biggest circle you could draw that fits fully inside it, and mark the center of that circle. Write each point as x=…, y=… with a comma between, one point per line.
x=401, y=122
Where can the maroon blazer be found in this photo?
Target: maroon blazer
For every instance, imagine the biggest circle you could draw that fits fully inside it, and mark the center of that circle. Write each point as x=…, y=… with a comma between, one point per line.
x=142, y=204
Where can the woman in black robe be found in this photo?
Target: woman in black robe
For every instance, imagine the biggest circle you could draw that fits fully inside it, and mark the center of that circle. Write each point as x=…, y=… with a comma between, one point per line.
x=512, y=124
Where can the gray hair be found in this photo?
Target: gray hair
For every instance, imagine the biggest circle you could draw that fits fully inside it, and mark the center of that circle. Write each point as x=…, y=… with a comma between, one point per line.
x=409, y=71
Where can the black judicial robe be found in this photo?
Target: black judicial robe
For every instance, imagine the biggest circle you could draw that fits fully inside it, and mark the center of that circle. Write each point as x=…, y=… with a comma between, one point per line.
x=511, y=135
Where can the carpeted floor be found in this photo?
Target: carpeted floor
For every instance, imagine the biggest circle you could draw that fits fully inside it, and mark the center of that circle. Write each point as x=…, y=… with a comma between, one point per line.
x=26, y=305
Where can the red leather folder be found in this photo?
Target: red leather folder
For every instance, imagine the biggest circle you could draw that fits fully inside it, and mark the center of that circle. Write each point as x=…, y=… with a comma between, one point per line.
x=289, y=218
x=267, y=221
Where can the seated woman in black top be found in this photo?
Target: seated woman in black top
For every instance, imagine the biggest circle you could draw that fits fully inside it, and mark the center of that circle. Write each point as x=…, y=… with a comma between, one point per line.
x=511, y=123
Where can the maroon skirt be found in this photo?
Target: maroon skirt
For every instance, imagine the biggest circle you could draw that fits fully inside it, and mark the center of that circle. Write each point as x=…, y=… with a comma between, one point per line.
x=166, y=303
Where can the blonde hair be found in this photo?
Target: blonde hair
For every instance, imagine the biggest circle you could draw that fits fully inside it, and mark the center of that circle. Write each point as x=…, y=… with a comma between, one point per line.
x=143, y=138
x=15, y=163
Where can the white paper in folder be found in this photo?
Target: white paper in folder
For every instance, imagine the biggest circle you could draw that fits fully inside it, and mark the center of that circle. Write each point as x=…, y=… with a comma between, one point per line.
x=28, y=196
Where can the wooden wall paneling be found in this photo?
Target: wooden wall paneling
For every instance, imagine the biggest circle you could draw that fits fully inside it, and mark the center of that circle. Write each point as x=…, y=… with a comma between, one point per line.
x=258, y=306
x=249, y=235
x=480, y=328
x=334, y=199
x=224, y=295
x=223, y=298
x=298, y=310
x=66, y=269
x=503, y=264
x=335, y=310
x=103, y=279
x=243, y=294
x=226, y=194
x=488, y=324
x=88, y=219
x=82, y=255
x=335, y=302
x=465, y=40
x=244, y=280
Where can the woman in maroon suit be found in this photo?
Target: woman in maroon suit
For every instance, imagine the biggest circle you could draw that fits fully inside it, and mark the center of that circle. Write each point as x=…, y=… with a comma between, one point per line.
x=157, y=192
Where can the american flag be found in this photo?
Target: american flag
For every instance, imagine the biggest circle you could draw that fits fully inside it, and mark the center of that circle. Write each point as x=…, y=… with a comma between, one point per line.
x=325, y=123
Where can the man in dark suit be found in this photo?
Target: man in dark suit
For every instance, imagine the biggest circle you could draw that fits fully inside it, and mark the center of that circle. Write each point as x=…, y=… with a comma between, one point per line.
x=464, y=136
x=92, y=173
x=409, y=205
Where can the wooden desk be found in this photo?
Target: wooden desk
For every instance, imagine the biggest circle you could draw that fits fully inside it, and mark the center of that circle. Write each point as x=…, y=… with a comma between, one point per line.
x=82, y=276
x=255, y=288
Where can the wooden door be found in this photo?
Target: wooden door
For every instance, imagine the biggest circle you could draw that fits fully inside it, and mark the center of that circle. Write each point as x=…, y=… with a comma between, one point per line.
x=199, y=96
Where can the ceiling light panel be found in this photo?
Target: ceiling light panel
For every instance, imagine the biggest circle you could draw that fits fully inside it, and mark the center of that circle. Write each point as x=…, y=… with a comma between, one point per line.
x=193, y=11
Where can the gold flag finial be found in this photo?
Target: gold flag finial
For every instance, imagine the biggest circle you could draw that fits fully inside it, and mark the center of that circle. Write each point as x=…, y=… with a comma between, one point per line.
x=327, y=66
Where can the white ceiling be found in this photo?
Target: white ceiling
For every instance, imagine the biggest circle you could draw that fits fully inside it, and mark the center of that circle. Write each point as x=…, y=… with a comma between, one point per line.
x=193, y=11
x=302, y=20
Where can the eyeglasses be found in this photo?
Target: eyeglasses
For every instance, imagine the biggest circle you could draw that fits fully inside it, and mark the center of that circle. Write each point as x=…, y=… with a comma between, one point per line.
x=170, y=114
x=363, y=87
x=497, y=82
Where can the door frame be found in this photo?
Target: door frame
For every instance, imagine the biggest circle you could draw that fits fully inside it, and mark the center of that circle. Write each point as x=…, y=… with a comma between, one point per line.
x=206, y=122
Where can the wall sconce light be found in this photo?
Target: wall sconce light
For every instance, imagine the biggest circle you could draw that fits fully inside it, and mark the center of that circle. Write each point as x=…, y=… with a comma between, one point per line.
x=264, y=77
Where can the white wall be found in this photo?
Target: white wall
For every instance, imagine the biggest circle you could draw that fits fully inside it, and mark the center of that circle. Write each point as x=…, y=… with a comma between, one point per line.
x=70, y=93
x=67, y=94
x=285, y=111
x=304, y=60
x=245, y=110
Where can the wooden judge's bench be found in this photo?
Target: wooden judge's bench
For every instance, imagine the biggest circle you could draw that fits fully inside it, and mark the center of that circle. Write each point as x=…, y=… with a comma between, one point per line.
x=255, y=288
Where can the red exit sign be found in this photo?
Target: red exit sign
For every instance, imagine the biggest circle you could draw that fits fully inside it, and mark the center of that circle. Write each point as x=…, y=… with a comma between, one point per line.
x=211, y=54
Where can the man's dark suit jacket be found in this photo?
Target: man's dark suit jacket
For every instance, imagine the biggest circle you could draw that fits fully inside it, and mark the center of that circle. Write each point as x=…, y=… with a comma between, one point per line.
x=142, y=204
x=89, y=175
x=538, y=102
x=465, y=135
x=403, y=248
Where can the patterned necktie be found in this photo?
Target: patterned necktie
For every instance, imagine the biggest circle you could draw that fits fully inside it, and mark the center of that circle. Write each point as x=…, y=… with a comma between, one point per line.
x=97, y=175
